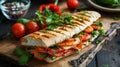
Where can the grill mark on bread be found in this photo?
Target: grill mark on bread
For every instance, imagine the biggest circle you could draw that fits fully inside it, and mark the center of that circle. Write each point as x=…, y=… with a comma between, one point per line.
x=76, y=22
x=79, y=20
x=70, y=27
x=52, y=34
x=47, y=32
x=36, y=33
x=82, y=13
x=63, y=29
x=83, y=17
x=57, y=31
x=46, y=36
x=33, y=36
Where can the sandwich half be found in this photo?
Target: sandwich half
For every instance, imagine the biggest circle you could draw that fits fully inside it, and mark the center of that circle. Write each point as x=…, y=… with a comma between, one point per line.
x=51, y=45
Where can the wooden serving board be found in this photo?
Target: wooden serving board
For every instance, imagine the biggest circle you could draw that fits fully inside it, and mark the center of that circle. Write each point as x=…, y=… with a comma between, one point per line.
x=8, y=45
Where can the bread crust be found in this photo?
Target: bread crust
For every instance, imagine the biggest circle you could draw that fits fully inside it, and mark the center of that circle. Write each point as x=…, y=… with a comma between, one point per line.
x=44, y=39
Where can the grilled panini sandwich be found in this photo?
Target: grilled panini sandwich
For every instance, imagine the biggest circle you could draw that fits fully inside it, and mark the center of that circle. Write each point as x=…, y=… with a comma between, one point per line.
x=52, y=45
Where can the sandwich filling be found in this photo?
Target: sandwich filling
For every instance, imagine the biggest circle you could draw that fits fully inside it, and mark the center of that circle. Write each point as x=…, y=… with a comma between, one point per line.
x=70, y=45
x=65, y=39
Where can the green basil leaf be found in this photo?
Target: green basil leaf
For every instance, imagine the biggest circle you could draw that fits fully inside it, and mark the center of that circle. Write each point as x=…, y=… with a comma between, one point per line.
x=23, y=59
x=98, y=23
x=101, y=31
x=18, y=51
x=94, y=33
x=48, y=19
x=23, y=20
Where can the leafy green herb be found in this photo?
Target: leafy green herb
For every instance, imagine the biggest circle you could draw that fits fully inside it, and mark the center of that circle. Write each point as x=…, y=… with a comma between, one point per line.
x=40, y=17
x=42, y=55
x=51, y=27
x=98, y=23
x=101, y=31
x=18, y=52
x=52, y=57
x=22, y=54
x=55, y=47
x=48, y=19
x=67, y=19
x=98, y=41
x=94, y=33
x=52, y=19
x=23, y=20
x=23, y=59
x=82, y=32
x=106, y=65
x=77, y=51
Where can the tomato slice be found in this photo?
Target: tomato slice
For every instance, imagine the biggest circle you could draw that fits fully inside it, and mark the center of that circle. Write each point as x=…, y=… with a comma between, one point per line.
x=80, y=45
x=95, y=27
x=40, y=49
x=85, y=37
x=37, y=55
x=89, y=29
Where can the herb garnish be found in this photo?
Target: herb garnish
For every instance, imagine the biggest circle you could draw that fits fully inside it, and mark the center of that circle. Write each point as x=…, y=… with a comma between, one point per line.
x=52, y=19
x=98, y=24
x=94, y=33
x=98, y=41
x=24, y=55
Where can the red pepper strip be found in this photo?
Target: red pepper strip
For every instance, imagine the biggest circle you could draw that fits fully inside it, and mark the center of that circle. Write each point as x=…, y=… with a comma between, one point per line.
x=36, y=55
x=55, y=8
x=56, y=53
x=42, y=7
x=52, y=7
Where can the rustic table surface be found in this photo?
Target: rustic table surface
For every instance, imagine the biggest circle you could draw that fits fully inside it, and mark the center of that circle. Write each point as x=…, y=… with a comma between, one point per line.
x=109, y=56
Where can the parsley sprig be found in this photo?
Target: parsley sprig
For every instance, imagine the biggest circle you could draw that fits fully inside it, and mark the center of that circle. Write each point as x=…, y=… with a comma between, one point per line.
x=52, y=19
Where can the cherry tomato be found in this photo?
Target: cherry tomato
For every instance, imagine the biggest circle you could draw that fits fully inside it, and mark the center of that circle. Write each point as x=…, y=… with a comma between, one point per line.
x=85, y=37
x=95, y=27
x=72, y=4
x=80, y=45
x=18, y=30
x=32, y=27
x=89, y=29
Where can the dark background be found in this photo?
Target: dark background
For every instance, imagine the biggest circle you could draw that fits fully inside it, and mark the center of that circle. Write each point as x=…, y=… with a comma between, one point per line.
x=109, y=56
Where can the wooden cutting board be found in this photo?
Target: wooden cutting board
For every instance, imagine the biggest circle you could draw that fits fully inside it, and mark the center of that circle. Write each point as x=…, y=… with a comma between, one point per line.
x=8, y=45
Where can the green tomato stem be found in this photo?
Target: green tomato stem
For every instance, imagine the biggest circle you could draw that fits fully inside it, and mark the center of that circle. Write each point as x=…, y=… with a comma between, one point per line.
x=56, y=2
